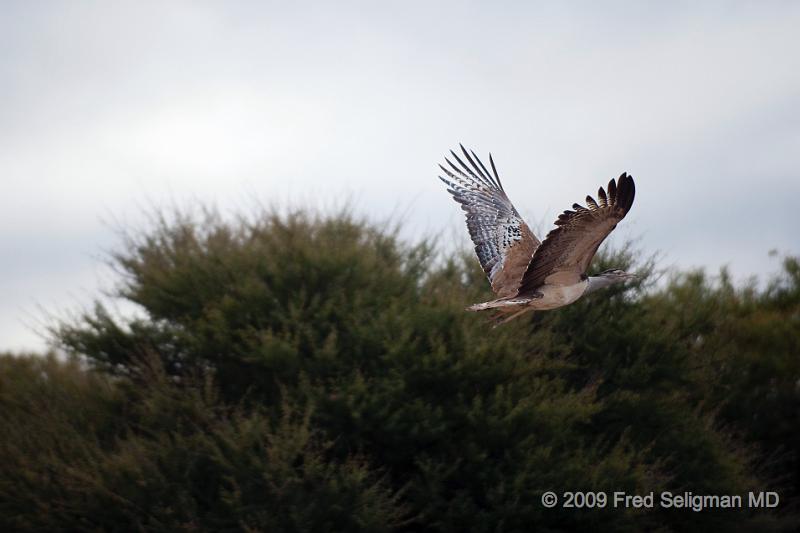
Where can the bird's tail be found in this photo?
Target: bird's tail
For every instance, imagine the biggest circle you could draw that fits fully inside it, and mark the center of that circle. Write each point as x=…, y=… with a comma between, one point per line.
x=495, y=304
x=506, y=309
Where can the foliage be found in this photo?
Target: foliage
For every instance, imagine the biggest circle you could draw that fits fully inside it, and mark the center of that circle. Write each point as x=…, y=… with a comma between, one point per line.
x=316, y=373
x=160, y=457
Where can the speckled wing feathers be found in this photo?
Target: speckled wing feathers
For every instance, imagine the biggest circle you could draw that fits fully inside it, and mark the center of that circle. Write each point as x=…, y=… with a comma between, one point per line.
x=503, y=242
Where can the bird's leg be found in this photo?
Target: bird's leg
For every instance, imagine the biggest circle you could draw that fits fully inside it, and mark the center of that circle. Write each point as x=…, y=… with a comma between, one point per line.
x=500, y=320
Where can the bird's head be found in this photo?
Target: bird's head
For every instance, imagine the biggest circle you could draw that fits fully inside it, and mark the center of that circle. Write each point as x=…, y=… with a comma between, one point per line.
x=616, y=275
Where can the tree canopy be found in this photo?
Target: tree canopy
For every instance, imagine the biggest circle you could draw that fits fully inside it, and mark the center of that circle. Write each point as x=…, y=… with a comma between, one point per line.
x=307, y=372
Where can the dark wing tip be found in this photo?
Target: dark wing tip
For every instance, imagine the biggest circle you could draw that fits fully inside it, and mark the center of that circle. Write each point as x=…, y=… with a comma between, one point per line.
x=470, y=167
x=566, y=217
x=625, y=192
x=480, y=171
x=612, y=192
x=486, y=173
x=601, y=193
x=494, y=170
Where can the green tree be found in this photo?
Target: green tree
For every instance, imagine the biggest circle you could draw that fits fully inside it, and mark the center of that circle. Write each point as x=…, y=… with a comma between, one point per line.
x=305, y=372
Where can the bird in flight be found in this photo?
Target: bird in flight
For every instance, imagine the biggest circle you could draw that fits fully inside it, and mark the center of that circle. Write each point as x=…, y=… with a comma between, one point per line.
x=525, y=273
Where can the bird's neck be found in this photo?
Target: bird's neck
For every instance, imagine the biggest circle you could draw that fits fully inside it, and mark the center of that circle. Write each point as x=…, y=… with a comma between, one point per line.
x=597, y=282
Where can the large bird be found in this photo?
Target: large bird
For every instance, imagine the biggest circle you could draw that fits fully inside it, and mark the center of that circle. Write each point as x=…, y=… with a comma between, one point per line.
x=527, y=274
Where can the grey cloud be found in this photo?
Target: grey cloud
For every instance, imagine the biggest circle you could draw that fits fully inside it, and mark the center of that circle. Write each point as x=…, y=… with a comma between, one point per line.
x=108, y=107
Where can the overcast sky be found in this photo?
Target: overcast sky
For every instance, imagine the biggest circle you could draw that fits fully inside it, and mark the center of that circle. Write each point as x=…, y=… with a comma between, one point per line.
x=108, y=107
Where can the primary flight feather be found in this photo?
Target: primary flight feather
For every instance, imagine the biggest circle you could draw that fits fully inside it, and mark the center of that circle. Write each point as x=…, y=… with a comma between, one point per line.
x=525, y=273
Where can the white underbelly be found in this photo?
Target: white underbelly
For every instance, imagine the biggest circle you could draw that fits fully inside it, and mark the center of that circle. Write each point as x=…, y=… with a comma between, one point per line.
x=559, y=295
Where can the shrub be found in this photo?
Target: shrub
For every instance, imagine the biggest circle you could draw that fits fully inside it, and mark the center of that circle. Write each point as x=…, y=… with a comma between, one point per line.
x=305, y=372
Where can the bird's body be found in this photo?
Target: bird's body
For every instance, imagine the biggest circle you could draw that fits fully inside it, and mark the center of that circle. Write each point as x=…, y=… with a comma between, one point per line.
x=547, y=296
x=554, y=295
x=528, y=274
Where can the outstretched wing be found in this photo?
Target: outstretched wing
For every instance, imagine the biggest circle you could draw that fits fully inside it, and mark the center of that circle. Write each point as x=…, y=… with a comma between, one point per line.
x=568, y=250
x=503, y=241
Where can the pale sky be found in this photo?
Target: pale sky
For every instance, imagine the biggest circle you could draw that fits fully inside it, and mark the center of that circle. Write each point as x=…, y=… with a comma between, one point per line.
x=107, y=108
